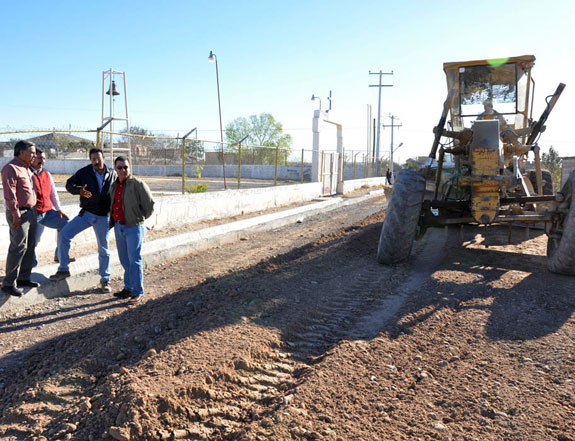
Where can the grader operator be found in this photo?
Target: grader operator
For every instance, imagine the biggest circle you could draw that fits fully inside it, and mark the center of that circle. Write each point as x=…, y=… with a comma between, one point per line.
x=491, y=136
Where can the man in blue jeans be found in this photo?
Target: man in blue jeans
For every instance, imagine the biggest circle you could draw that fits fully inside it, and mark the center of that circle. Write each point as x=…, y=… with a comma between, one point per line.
x=92, y=183
x=131, y=204
x=48, y=204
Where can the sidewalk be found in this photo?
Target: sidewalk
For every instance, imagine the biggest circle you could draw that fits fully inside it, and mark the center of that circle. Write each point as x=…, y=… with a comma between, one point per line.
x=85, y=270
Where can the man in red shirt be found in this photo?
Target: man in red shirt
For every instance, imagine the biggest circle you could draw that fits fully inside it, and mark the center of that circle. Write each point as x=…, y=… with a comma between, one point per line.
x=48, y=206
x=20, y=201
x=131, y=204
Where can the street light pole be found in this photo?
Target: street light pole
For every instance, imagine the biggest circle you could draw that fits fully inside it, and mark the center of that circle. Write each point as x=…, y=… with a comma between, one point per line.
x=313, y=97
x=212, y=58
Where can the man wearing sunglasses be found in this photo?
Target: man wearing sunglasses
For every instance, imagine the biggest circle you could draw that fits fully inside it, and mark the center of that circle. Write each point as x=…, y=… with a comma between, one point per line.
x=131, y=204
x=92, y=183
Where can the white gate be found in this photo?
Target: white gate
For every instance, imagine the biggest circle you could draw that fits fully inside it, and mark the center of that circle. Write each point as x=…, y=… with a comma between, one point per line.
x=328, y=173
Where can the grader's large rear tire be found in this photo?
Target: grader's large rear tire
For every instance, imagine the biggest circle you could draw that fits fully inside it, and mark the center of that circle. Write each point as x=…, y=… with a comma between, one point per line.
x=547, y=181
x=400, y=225
x=561, y=250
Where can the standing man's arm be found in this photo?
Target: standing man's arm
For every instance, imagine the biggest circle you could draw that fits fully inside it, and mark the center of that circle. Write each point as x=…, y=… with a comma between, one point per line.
x=53, y=193
x=9, y=182
x=54, y=197
x=74, y=185
x=146, y=201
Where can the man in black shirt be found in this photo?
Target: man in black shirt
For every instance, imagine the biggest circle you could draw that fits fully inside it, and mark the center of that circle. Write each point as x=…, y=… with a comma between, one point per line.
x=92, y=183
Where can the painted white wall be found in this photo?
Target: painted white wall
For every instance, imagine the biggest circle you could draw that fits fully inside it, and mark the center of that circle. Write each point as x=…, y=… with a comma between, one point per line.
x=172, y=211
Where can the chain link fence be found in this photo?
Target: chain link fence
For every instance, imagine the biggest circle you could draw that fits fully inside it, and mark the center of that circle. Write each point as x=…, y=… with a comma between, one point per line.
x=190, y=158
x=357, y=164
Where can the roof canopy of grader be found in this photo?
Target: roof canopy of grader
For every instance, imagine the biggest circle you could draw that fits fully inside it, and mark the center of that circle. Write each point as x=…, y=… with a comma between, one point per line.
x=501, y=83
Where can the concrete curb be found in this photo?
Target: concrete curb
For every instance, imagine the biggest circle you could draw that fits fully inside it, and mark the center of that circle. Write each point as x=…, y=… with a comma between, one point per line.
x=85, y=270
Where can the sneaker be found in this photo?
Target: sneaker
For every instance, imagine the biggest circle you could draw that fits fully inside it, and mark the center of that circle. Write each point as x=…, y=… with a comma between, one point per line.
x=60, y=275
x=135, y=300
x=124, y=294
x=104, y=287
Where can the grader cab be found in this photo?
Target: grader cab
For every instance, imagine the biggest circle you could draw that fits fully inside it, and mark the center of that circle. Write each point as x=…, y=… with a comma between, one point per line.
x=487, y=128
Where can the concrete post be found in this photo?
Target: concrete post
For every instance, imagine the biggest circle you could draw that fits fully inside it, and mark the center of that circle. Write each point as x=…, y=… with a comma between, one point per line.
x=316, y=128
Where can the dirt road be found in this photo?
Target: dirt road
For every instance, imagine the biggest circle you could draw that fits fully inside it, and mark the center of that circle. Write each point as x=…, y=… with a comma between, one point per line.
x=299, y=334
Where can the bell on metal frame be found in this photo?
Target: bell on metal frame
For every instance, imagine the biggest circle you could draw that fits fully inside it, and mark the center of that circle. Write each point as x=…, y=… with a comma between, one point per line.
x=113, y=90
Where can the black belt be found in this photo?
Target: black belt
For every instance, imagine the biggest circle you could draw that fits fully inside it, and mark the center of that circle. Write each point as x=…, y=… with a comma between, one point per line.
x=121, y=222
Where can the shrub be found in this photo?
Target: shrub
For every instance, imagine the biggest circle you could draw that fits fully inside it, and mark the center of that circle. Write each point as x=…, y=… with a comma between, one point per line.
x=198, y=187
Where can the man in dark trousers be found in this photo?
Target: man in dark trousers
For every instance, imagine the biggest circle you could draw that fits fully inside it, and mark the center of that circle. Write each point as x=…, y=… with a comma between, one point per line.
x=131, y=204
x=20, y=201
x=92, y=183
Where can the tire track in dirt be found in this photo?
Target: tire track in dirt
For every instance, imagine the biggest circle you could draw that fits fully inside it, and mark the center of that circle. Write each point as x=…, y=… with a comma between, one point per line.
x=359, y=309
x=264, y=383
x=428, y=255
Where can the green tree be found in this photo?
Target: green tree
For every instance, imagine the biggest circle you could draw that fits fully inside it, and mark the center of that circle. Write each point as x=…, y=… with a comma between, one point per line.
x=194, y=150
x=552, y=162
x=261, y=130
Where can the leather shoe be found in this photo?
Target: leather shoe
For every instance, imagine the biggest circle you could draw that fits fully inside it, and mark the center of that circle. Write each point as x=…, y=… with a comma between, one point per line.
x=124, y=294
x=59, y=275
x=27, y=283
x=134, y=300
x=12, y=290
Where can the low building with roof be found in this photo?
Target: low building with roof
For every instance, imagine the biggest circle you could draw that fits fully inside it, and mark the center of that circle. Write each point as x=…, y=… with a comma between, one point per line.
x=60, y=144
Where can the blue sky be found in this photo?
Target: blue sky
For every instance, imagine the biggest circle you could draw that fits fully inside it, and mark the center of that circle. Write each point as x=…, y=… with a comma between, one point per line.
x=272, y=57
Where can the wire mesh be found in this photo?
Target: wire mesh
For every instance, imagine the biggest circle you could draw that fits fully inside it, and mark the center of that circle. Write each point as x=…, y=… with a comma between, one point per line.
x=162, y=155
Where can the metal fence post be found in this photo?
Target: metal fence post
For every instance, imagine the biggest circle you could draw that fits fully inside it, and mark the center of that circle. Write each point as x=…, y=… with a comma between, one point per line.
x=276, y=166
x=239, y=163
x=342, y=161
x=184, y=166
x=302, y=166
x=184, y=158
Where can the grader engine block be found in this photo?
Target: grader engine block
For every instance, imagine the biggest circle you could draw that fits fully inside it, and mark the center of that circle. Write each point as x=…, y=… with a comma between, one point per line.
x=485, y=179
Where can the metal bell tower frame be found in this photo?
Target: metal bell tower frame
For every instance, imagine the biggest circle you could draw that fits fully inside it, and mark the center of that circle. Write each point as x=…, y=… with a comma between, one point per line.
x=109, y=87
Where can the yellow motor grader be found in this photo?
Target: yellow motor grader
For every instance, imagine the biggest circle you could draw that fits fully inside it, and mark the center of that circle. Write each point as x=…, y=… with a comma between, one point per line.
x=488, y=129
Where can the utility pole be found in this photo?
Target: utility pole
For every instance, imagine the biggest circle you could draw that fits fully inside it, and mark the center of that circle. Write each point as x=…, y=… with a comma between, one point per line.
x=392, y=125
x=380, y=73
